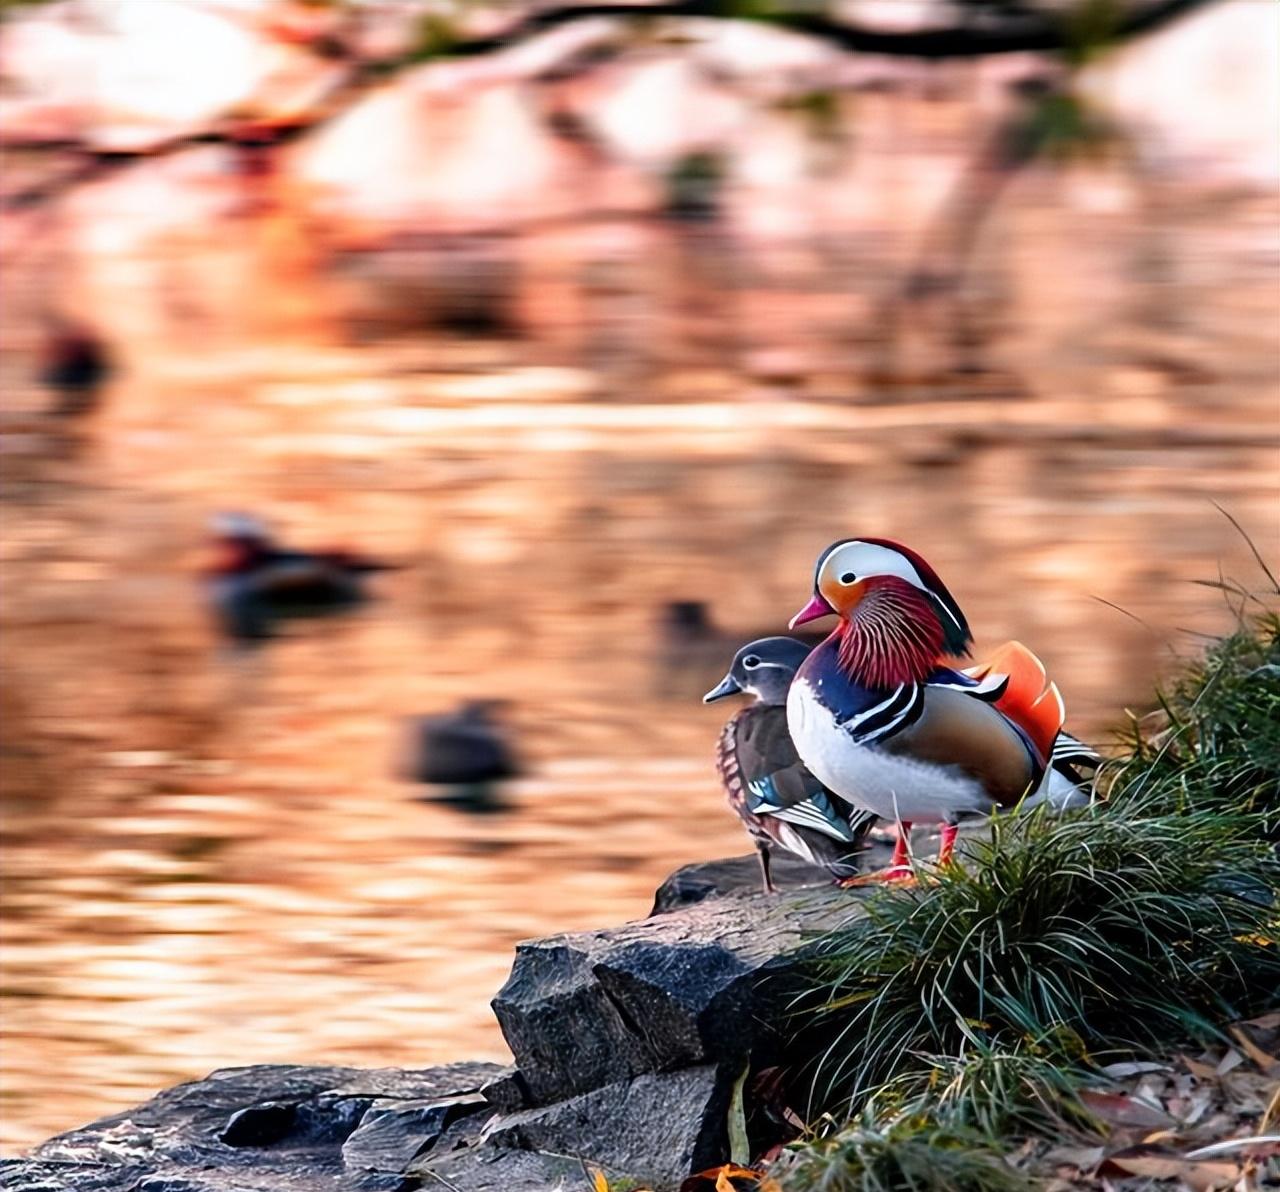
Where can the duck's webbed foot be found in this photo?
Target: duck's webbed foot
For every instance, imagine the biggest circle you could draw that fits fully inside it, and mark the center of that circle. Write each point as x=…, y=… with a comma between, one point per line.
x=894, y=875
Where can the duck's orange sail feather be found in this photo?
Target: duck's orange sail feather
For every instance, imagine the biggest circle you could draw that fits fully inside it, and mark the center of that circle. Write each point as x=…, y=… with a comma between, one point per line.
x=1030, y=701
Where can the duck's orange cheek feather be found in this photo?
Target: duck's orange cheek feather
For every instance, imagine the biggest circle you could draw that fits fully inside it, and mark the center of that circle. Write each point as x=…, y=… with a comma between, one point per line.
x=844, y=598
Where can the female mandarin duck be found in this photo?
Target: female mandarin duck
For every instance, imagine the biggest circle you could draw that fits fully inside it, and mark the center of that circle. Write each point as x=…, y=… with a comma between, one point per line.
x=884, y=722
x=777, y=799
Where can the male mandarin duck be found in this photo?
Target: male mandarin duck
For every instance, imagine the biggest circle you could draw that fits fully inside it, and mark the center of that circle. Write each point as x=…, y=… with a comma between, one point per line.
x=882, y=719
x=255, y=582
x=777, y=799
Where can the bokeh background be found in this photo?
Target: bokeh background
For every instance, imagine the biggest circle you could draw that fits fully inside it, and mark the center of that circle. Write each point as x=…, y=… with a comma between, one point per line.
x=570, y=319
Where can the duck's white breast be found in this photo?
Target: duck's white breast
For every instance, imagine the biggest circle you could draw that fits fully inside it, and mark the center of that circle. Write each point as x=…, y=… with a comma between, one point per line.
x=893, y=785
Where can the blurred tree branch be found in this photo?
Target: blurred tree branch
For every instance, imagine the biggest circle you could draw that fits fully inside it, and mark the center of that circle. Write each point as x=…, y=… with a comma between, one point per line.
x=993, y=28
x=979, y=28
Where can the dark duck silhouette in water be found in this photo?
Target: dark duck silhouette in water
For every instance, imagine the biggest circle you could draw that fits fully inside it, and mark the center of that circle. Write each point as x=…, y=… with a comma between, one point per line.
x=76, y=366
x=255, y=583
x=778, y=800
x=692, y=647
x=467, y=753
x=881, y=717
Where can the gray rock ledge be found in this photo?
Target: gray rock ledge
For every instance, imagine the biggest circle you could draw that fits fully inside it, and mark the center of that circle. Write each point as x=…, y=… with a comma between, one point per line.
x=628, y=1043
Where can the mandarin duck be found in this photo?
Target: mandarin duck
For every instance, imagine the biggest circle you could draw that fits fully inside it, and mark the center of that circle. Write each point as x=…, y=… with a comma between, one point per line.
x=776, y=798
x=254, y=582
x=890, y=727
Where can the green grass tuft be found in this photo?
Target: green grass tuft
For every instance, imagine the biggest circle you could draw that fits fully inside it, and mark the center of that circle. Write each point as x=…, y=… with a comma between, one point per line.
x=1103, y=930
x=1219, y=745
x=975, y=1007
x=990, y=1090
x=911, y=1155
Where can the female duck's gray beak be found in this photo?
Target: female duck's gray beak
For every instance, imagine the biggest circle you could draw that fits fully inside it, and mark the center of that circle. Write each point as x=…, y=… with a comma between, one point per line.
x=727, y=686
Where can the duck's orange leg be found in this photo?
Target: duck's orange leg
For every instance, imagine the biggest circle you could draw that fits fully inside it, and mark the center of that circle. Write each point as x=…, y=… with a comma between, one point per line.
x=947, y=847
x=901, y=855
x=899, y=869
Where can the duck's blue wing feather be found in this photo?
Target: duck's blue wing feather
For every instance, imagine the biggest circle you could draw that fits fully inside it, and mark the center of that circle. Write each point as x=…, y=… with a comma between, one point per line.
x=817, y=812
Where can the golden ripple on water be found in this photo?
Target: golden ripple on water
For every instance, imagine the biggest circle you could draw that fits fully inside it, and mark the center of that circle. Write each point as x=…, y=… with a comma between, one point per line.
x=211, y=862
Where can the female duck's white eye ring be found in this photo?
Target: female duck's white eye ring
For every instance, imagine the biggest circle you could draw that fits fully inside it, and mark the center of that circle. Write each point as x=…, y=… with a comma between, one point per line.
x=751, y=662
x=848, y=577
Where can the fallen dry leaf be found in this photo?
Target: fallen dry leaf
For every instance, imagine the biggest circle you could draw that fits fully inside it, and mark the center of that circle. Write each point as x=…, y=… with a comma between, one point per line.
x=1256, y=1146
x=1272, y=1112
x=1121, y=1110
x=1205, y=1177
x=1159, y=1163
x=1199, y=1068
x=600, y=1183
x=1198, y=1103
x=730, y=1178
x=1082, y=1158
x=1229, y=1062
x=1264, y=1024
x=1132, y=1068
x=1267, y=1063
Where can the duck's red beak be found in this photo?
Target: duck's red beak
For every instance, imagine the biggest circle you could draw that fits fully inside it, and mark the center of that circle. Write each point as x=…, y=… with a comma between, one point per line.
x=817, y=607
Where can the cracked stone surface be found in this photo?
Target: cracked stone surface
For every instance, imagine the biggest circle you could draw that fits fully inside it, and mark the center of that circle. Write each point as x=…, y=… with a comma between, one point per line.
x=269, y=1128
x=707, y=983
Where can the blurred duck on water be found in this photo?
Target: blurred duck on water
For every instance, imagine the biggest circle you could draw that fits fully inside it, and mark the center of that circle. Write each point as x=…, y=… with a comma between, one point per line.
x=777, y=799
x=692, y=647
x=255, y=583
x=881, y=717
x=466, y=753
x=76, y=366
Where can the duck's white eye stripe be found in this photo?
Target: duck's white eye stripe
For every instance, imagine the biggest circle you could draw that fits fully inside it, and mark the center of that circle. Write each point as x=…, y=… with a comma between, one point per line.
x=863, y=559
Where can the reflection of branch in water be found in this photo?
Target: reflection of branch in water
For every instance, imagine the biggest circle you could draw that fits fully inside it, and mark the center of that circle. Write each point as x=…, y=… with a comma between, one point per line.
x=1049, y=120
x=1005, y=30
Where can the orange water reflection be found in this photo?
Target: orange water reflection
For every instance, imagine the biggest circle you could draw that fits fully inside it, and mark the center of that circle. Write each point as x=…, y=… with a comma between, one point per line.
x=209, y=861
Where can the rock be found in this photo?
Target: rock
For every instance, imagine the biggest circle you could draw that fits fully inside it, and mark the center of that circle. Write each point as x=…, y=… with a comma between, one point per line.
x=658, y=1128
x=32, y=1175
x=269, y=1128
x=260, y=1125
x=493, y=1169
x=705, y=984
x=507, y=1092
x=691, y=884
x=733, y=875
x=628, y=1043
x=390, y=1136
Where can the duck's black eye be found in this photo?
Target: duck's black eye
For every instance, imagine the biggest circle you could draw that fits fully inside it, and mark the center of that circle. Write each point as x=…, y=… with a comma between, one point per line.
x=848, y=577
x=751, y=662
